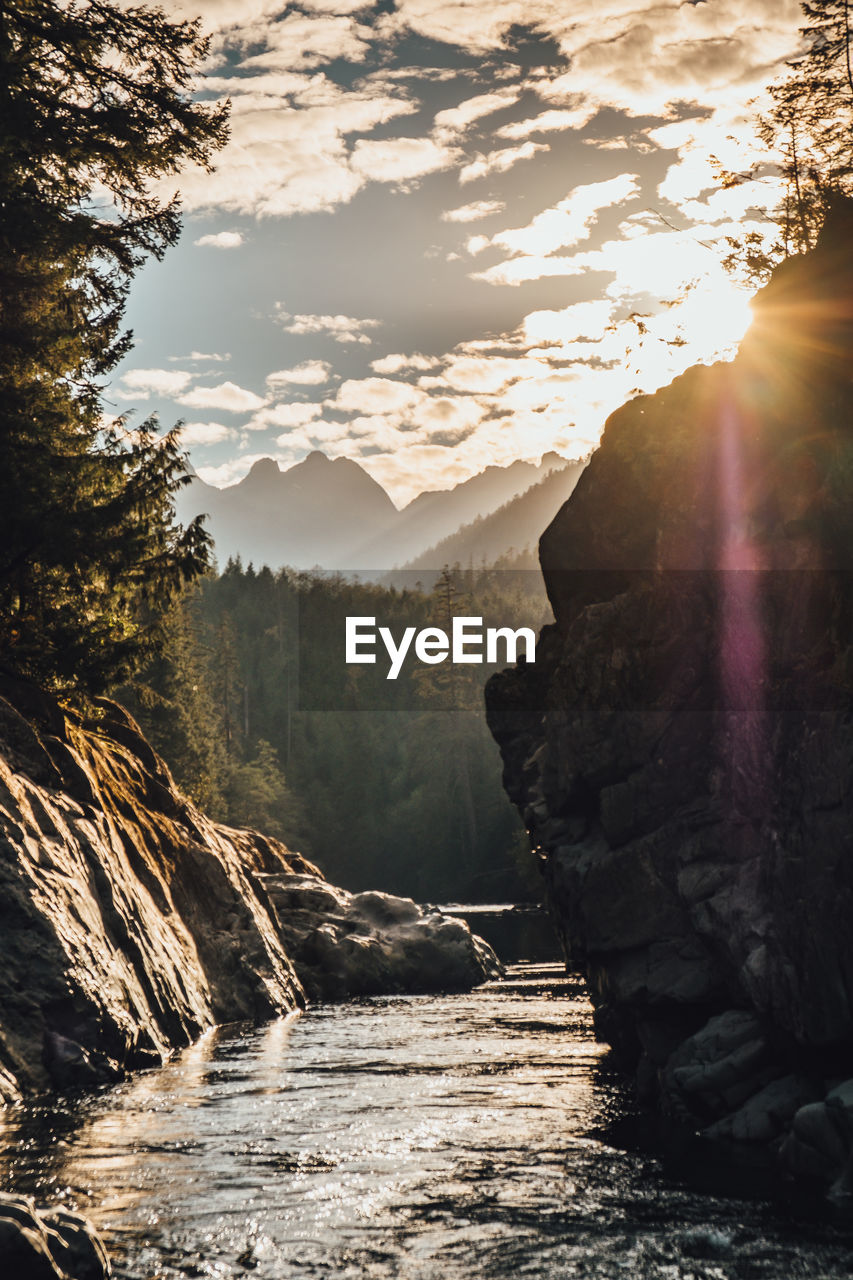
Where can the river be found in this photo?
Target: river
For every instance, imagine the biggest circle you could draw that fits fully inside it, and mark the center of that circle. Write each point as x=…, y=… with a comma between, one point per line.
x=431, y=1138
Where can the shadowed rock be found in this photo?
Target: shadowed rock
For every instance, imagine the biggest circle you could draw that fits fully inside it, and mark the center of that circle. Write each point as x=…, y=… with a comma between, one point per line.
x=682, y=751
x=48, y=1245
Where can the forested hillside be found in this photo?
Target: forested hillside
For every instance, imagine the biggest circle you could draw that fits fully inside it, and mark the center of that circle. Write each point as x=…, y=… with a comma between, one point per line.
x=512, y=532
x=383, y=783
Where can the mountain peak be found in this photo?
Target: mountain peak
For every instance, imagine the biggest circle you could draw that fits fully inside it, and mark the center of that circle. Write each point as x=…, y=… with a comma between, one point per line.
x=264, y=469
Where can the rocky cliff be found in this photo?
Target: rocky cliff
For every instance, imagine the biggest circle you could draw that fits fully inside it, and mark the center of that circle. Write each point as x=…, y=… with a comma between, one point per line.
x=681, y=751
x=129, y=922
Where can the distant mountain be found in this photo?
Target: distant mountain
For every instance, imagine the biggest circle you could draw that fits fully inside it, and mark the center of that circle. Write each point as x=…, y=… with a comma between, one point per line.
x=511, y=530
x=332, y=514
x=309, y=515
x=435, y=515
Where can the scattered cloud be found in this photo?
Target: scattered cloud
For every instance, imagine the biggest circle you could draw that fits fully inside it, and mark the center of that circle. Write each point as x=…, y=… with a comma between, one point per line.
x=298, y=41
x=398, y=363
x=400, y=159
x=548, y=121
x=455, y=121
x=294, y=414
x=500, y=161
x=570, y=220
x=341, y=328
x=310, y=373
x=227, y=397
x=220, y=240
x=568, y=325
x=206, y=433
x=672, y=77
x=474, y=211
x=206, y=356
x=374, y=395
x=288, y=150
x=141, y=384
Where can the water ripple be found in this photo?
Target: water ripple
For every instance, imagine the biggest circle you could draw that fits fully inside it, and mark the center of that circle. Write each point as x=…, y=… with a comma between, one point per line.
x=415, y=1137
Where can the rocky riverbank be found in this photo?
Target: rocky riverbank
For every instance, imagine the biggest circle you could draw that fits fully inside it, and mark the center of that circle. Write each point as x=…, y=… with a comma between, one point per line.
x=130, y=923
x=681, y=751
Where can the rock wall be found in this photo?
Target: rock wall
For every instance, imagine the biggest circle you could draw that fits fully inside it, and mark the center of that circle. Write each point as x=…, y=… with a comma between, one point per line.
x=129, y=922
x=681, y=751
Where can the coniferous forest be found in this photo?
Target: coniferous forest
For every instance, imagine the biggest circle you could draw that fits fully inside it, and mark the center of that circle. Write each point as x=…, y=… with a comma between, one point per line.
x=392, y=784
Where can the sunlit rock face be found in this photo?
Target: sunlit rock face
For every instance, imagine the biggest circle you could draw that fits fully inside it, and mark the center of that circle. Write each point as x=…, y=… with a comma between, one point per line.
x=363, y=944
x=129, y=922
x=681, y=752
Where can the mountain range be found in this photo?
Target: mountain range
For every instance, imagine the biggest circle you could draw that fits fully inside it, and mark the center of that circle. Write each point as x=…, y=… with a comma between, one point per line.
x=329, y=513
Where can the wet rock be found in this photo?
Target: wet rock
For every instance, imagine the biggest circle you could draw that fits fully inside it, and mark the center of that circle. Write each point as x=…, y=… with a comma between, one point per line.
x=372, y=943
x=714, y=1071
x=816, y=1147
x=766, y=1115
x=48, y=1244
x=682, y=750
x=129, y=922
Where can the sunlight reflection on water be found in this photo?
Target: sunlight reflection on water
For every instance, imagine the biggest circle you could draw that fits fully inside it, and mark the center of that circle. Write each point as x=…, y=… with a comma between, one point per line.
x=415, y=1136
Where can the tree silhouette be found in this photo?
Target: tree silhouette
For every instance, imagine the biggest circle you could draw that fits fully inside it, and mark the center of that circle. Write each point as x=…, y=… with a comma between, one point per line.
x=95, y=107
x=808, y=133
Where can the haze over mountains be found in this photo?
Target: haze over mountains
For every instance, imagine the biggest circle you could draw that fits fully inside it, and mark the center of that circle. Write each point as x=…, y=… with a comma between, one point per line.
x=329, y=513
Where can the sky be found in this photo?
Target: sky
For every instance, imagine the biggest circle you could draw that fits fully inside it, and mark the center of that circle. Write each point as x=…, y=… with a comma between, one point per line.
x=450, y=233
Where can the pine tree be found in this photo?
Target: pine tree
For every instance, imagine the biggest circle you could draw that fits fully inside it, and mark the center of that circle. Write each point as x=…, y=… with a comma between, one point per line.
x=95, y=107
x=808, y=133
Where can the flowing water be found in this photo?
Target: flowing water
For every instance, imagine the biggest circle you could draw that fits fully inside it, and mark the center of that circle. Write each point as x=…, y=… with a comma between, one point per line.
x=437, y=1138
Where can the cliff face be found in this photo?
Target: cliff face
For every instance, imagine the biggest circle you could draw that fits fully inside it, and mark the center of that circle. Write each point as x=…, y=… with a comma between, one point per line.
x=681, y=751
x=129, y=922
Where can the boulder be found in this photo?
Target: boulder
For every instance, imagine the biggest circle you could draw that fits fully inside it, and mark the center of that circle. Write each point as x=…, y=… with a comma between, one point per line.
x=38, y=1244
x=372, y=943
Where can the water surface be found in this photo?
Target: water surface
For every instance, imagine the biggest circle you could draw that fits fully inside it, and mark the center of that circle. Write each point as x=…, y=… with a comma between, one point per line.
x=449, y=1137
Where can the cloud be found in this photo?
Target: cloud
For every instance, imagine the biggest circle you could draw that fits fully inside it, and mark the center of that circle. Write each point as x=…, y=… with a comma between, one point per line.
x=213, y=357
x=204, y=433
x=474, y=211
x=288, y=149
x=570, y=221
x=579, y=320
x=500, y=161
x=310, y=373
x=397, y=363
x=227, y=397
x=341, y=328
x=640, y=58
x=294, y=414
x=374, y=395
x=221, y=240
x=454, y=121
x=288, y=152
x=300, y=40
x=547, y=121
x=400, y=159
x=492, y=375
x=140, y=384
